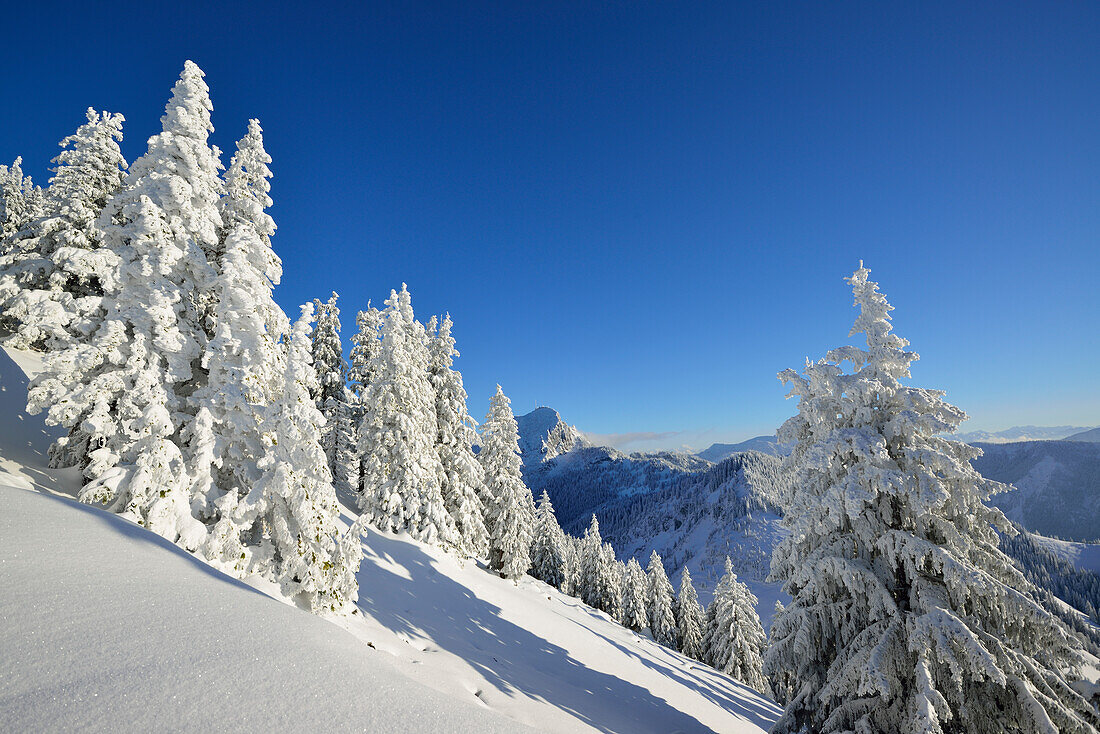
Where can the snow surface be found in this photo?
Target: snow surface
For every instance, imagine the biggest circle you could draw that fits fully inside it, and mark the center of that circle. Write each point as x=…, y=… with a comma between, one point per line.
x=106, y=626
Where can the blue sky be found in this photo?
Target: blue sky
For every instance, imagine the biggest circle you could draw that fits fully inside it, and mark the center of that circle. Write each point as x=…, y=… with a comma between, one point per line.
x=637, y=212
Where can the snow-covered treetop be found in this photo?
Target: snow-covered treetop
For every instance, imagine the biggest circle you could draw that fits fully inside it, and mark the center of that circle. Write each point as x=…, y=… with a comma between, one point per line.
x=91, y=163
x=247, y=190
x=189, y=107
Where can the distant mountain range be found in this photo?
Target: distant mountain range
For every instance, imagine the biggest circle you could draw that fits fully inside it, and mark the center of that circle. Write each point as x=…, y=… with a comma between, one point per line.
x=1023, y=433
x=690, y=510
x=1057, y=485
x=1090, y=436
x=694, y=510
x=764, y=444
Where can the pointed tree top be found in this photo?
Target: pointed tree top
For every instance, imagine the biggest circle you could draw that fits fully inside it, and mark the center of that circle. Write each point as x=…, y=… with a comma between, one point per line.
x=188, y=110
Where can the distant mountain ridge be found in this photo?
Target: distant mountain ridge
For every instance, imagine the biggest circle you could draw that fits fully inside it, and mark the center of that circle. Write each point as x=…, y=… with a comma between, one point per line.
x=1089, y=436
x=1020, y=433
x=1057, y=485
x=690, y=510
x=764, y=444
x=694, y=512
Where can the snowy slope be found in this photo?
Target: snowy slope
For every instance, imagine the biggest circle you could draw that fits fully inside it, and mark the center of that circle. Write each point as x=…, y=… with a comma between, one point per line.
x=108, y=627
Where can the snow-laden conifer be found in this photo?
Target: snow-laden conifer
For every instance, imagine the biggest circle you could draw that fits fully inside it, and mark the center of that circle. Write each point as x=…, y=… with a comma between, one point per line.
x=52, y=283
x=690, y=620
x=366, y=345
x=455, y=435
x=138, y=369
x=634, y=603
x=547, y=546
x=21, y=203
x=659, y=601
x=588, y=563
x=609, y=583
x=292, y=507
x=506, y=513
x=570, y=580
x=402, y=473
x=734, y=641
x=244, y=359
x=906, y=616
x=338, y=435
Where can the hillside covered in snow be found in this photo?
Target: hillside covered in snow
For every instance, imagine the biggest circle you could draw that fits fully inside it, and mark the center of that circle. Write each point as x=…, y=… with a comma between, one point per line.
x=109, y=626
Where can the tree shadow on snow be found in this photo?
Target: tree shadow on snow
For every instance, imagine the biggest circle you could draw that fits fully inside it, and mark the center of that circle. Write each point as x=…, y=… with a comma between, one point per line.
x=509, y=657
x=719, y=688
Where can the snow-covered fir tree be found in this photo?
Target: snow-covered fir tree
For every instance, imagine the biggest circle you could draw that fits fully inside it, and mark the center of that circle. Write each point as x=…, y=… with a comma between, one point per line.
x=292, y=507
x=507, y=517
x=571, y=566
x=338, y=435
x=588, y=563
x=609, y=583
x=123, y=395
x=659, y=600
x=548, y=545
x=52, y=283
x=244, y=359
x=734, y=641
x=634, y=603
x=401, y=470
x=906, y=616
x=455, y=436
x=21, y=203
x=690, y=620
x=366, y=345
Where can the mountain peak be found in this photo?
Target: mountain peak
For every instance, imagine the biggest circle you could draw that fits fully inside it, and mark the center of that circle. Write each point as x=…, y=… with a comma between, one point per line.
x=544, y=435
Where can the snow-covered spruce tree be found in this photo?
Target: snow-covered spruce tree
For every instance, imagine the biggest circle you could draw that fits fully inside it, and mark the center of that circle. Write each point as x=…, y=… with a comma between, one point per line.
x=570, y=581
x=506, y=515
x=777, y=611
x=338, y=437
x=244, y=359
x=588, y=564
x=906, y=616
x=634, y=605
x=401, y=471
x=367, y=343
x=690, y=620
x=659, y=600
x=734, y=641
x=123, y=394
x=51, y=285
x=609, y=583
x=21, y=203
x=547, y=546
x=292, y=507
x=455, y=435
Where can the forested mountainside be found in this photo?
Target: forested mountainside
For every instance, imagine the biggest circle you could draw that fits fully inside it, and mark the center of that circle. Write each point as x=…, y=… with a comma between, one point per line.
x=1057, y=485
x=694, y=513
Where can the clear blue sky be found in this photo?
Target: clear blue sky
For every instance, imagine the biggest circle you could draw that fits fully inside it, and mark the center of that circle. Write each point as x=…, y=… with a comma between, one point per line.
x=638, y=212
